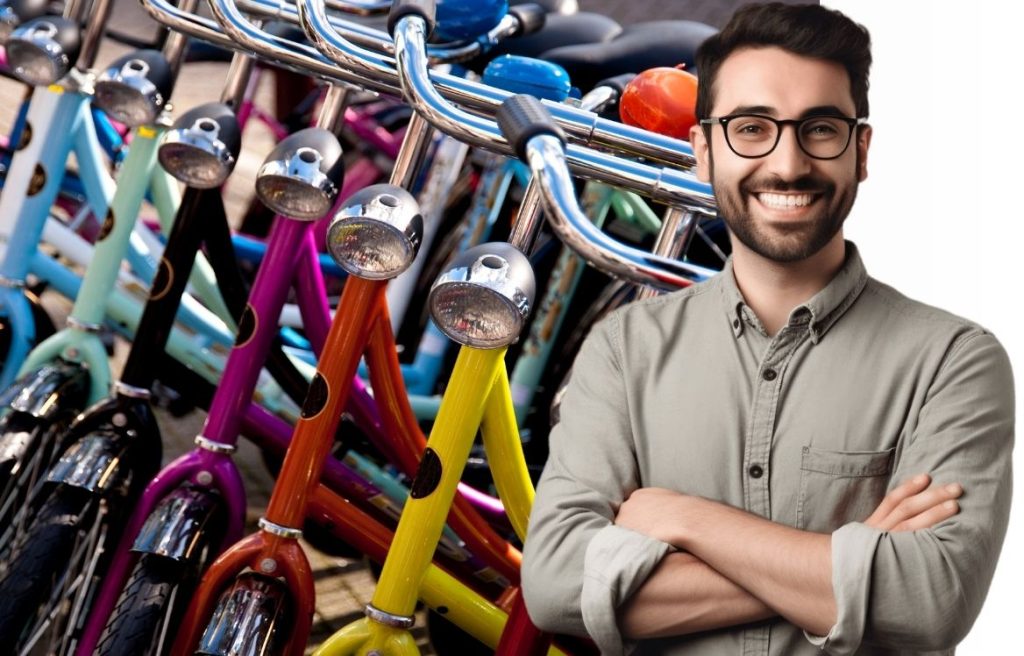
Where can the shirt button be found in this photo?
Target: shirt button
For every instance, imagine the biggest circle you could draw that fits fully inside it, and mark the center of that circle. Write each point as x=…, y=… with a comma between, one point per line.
x=735, y=323
x=769, y=374
x=755, y=471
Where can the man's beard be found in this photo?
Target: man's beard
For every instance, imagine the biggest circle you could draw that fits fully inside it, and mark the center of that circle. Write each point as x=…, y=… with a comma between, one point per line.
x=783, y=242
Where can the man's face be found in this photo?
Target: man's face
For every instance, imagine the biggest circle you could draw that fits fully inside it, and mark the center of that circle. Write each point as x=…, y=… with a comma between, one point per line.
x=785, y=206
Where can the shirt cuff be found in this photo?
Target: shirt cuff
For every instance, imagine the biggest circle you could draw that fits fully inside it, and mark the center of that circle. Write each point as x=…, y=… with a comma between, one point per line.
x=853, y=552
x=616, y=563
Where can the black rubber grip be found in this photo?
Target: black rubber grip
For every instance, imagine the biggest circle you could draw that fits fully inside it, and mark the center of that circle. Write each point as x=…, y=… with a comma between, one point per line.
x=531, y=18
x=425, y=9
x=618, y=82
x=522, y=118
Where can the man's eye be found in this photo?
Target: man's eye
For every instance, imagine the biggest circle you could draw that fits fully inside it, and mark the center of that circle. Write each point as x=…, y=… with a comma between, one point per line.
x=821, y=130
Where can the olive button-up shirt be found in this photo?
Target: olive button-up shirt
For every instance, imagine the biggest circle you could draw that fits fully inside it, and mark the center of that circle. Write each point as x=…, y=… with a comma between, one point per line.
x=861, y=389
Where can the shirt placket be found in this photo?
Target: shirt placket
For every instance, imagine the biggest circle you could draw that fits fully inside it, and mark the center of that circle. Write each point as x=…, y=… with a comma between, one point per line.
x=757, y=450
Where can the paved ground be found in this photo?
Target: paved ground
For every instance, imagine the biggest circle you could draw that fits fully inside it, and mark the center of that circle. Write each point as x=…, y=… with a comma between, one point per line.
x=343, y=586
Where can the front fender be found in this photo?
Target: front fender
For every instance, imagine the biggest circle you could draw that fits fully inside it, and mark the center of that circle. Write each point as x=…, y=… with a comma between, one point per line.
x=91, y=463
x=48, y=390
x=173, y=528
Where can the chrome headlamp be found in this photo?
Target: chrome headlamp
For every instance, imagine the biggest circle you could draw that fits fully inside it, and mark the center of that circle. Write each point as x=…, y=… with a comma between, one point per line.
x=377, y=233
x=483, y=297
x=41, y=51
x=202, y=147
x=15, y=12
x=134, y=88
x=301, y=176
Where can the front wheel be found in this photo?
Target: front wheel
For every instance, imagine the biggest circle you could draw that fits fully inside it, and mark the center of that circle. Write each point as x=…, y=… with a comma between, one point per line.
x=49, y=564
x=143, y=620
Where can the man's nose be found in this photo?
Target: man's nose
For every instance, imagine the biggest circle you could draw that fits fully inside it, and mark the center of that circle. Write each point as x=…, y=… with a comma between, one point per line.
x=788, y=160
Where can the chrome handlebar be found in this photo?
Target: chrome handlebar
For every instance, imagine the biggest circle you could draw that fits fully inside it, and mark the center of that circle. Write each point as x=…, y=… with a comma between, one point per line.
x=376, y=71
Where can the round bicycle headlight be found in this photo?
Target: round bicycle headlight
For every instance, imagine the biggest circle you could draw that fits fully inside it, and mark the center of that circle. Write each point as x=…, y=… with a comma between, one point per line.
x=40, y=52
x=301, y=176
x=134, y=88
x=484, y=296
x=202, y=148
x=377, y=233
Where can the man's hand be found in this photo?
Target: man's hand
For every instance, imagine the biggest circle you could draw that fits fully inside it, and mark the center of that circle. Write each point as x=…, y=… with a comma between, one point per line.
x=912, y=505
x=651, y=511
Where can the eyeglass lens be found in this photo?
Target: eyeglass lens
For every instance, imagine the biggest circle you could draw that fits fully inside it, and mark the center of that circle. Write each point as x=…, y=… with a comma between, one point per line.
x=820, y=136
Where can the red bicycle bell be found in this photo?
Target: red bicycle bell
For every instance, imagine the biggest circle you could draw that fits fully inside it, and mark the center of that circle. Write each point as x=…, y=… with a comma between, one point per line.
x=661, y=100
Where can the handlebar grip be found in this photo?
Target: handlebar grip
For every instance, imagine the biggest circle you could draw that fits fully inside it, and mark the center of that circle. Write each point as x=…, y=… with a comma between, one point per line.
x=425, y=9
x=522, y=118
x=531, y=18
x=618, y=82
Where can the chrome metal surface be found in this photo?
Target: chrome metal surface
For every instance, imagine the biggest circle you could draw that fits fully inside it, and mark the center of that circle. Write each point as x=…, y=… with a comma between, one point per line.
x=46, y=390
x=84, y=326
x=173, y=528
x=131, y=391
x=376, y=233
x=174, y=46
x=677, y=229
x=597, y=98
x=389, y=619
x=332, y=110
x=11, y=283
x=128, y=95
x=207, y=444
x=196, y=155
x=90, y=463
x=547, y=163
x=482, y=299
x=246, y=618
x=35, y=56
x=528, y=219
x=415, y=144
x=239, y=72
x=99, y=10
x=280, y=531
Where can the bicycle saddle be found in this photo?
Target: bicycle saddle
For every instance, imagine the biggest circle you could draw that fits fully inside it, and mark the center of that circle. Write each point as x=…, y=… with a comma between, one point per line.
x=559, y=30
x=636, y=48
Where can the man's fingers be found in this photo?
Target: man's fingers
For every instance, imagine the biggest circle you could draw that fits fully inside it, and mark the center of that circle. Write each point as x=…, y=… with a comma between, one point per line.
x=919, y=503
x=929, y=517
x=897, y=495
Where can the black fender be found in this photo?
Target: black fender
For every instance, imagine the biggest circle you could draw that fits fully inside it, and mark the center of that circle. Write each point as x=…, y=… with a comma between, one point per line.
x=48, y=390
x=172, y=530
x=112, y=444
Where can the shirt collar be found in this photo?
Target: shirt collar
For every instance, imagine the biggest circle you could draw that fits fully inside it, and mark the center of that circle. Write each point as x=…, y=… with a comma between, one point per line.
x=819, y=313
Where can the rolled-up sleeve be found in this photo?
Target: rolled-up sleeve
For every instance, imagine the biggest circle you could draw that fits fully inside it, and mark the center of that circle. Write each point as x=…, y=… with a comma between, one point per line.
x=578, y=567
x=922, y=590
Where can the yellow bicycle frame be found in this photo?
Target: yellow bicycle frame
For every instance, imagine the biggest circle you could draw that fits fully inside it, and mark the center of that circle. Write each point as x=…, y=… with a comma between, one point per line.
x=477, y=397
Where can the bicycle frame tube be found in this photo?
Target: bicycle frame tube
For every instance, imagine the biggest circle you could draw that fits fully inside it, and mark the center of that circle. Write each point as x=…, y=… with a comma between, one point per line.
x=80, y=339
x=438, y=589
x=30, y=190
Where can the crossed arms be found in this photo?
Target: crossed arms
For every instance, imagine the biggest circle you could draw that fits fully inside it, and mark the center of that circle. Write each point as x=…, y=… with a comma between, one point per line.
x=605, y=554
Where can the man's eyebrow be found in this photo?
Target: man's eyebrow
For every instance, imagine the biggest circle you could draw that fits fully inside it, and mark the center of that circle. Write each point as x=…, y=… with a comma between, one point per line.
x=754, y=109
x=820, y=110
x=823, y=110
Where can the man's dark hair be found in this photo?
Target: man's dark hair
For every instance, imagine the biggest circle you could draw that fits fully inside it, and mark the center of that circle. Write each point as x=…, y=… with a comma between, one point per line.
x=807, y=30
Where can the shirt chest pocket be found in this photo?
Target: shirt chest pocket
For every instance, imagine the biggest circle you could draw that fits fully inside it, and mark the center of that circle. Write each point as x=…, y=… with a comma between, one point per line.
x=839, y=487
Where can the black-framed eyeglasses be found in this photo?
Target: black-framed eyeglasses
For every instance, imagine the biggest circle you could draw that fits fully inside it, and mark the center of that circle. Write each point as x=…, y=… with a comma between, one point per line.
x=755, y=135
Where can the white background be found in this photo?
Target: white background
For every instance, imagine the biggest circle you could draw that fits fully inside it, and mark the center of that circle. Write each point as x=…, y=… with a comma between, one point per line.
x=939, y=216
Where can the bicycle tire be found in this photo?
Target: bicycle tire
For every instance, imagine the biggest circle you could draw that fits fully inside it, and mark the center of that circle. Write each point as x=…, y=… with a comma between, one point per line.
x=21, y=480
x=39, y=559
x=135, y=625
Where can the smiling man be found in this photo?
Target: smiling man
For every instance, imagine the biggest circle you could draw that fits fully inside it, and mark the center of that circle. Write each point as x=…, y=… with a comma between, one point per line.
x=792, y=458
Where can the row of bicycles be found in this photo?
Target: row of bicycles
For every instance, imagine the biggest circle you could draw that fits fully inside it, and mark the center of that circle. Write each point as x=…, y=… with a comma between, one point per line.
x=460, y=189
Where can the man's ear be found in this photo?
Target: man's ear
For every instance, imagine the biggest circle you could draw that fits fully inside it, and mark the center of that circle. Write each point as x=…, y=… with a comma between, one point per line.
x=698, y=139
x=863, y=142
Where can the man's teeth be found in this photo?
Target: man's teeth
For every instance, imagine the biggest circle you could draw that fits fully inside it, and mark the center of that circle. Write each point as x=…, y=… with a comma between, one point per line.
x=785, y=201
